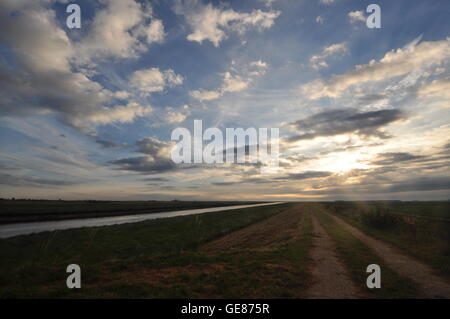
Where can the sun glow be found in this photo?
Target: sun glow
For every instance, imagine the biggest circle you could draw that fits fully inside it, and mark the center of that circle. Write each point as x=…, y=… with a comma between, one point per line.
x=343, y=162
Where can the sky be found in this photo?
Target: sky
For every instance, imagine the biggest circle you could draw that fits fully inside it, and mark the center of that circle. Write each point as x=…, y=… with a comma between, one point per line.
x=88, y=113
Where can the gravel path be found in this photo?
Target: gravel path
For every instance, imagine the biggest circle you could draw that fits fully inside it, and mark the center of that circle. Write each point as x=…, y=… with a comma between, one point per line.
x=332, y=280
x=432, y=285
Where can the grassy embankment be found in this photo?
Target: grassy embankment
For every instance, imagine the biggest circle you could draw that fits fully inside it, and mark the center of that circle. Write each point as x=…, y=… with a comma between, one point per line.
x=13, y=211
x=411, y=226
x=357, y=256
x=152, y=259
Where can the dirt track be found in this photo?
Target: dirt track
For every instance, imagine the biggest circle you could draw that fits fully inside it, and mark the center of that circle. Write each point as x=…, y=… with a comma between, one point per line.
x=331, y=278
x=432, y=285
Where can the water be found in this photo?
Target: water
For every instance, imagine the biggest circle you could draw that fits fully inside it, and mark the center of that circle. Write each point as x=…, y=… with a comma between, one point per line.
x=12, y=230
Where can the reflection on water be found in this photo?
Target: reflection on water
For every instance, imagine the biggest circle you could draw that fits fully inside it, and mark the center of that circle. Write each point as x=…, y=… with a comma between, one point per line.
x=37, y=227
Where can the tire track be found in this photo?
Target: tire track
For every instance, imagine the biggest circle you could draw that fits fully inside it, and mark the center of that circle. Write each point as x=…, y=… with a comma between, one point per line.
x=432, y=285
x=332, y=279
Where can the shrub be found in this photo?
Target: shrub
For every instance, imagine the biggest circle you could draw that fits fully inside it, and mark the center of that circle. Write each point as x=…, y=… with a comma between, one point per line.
x=380, y=219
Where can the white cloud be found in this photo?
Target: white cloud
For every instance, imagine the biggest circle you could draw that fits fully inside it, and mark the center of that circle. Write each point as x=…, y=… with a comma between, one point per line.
x=203, y=95
x=320, y=19
x=268, y=3
x=121, y=95
x=318, y=61
x=155, y=31
x=153, y=80
x=437, y=88
x=111, y=32
x=49, y=62
x=211, y=23
x=395, y=63
x=258, y=68
x=356, y=16
x=233, y=82
x=175, y=117
x=117, y=114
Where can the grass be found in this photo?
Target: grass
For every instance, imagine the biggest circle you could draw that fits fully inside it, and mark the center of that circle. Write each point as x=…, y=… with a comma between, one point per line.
x=424, y=238
x=437, y=209
x=34, y=265
x=62, y=206
x=280, y=272
x=12, y=211
x=357, y=256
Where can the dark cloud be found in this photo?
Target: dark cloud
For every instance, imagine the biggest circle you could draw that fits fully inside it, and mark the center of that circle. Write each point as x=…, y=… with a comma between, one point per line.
x=225, y=183
x=421, y=184
x=343, y=121
x=397, y=157
x=146, y=164
x=151, y=146
x=305, y=175
x=32, y=181
x=433, y=161
x=368, y=188
x=156, y=179
x=372, y=97
x=156, y=159
x=107, y=144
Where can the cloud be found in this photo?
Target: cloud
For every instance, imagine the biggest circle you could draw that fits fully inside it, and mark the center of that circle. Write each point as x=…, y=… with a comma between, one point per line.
x=156, y=160
x=106, y=143
x=416, y=161
x=117, y=114
x=153, y=80
x=305, y=175
x=318, y=61
x=413, y=57
x=33, y=181
x=258, y=68
x=437, y=88
x=47, y=77
x=204, y=95
x=268, y=3
x=145, y=164
x=121, y=29
x=356, y=16
x=344, y=121
x=395, y=158
x=233, y=82
x=175, y=117
x=156, y=179
x=155, y=31
x=211, y=23
x=327, y=1
x=420, y=184
x=153, y=147
x=320, y=19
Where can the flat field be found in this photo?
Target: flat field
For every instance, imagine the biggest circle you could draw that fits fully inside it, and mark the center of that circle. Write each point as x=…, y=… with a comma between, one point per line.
x=292, y=250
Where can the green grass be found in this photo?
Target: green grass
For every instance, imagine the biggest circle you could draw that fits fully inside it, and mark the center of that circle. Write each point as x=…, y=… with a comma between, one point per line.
x=34, y=265
x=424, y=238
x=357, y=256
x=439, y=209
x=281, y=272
x=13, y=211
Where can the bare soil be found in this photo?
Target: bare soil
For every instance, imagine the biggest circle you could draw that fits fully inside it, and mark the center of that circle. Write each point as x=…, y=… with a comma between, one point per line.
x=331, y=278
x=432, y=285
